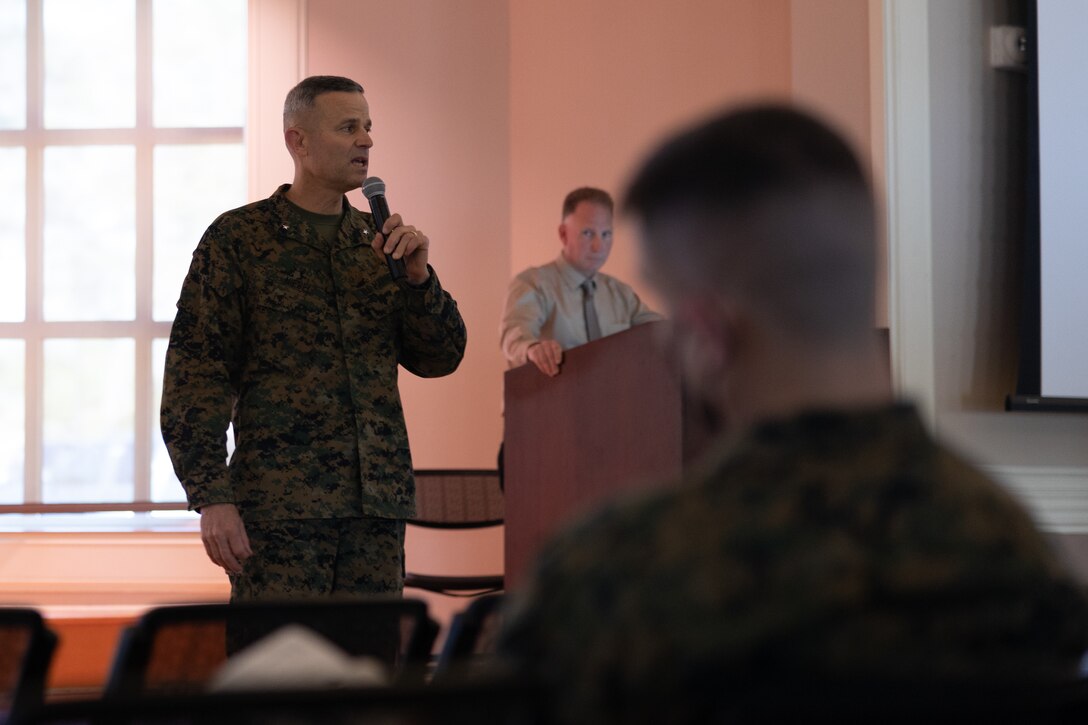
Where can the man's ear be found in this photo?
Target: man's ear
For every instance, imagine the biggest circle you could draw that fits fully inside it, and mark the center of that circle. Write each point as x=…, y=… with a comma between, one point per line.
x=710, y=327
x=295, y=140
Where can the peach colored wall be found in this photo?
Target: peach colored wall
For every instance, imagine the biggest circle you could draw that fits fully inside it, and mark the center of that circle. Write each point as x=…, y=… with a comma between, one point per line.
x=594, y=84
x=436, y=75
x=830, y=63
x=837, y=70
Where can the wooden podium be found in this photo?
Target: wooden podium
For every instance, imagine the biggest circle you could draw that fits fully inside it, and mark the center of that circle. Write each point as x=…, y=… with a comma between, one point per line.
x=614, y=419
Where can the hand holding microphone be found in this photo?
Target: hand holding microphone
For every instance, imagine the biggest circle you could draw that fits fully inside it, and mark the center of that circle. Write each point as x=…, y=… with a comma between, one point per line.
x=405, y=247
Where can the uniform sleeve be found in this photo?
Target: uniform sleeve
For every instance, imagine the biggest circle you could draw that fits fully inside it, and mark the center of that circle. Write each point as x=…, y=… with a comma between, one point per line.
x=522, y=319
x=434, y=334
x=203, y=363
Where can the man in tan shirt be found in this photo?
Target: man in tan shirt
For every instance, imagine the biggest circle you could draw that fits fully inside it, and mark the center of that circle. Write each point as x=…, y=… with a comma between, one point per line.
x=568, y=301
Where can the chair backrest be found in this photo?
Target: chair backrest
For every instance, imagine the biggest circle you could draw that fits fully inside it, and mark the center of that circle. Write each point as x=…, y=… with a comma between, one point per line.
x=458, y=498
x=177, y=649
x=473, y=633
x=26, y=651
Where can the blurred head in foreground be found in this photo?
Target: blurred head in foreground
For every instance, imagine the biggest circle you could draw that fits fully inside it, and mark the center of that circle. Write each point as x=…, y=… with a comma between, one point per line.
x=759, y=230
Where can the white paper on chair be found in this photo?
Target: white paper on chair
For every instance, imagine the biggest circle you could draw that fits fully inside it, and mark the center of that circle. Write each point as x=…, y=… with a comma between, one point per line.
x=295, y=657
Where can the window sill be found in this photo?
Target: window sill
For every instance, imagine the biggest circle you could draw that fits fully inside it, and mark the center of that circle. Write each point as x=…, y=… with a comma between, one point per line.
x=105, y=560
x=109, y=521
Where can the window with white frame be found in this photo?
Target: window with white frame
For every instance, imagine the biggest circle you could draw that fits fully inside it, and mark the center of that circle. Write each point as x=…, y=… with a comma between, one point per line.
x=121, y=139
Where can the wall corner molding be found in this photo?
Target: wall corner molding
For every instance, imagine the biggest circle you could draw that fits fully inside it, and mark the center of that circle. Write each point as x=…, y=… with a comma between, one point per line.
x=909, y=204
x=278, y=32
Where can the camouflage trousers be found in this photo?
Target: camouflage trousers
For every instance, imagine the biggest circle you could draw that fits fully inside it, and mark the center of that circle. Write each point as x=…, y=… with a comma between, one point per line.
x=298, y=559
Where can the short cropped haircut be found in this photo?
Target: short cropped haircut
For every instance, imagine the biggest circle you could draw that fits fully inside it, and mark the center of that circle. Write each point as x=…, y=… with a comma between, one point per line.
x=301, y=98
x=586, y=193
x=781, y=212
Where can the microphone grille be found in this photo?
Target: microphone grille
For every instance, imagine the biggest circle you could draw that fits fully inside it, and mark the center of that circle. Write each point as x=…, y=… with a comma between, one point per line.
x=373, y=186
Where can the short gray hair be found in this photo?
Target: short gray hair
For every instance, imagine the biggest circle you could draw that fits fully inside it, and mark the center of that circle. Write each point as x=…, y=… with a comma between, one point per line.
x=586, y=193
x=301, y=98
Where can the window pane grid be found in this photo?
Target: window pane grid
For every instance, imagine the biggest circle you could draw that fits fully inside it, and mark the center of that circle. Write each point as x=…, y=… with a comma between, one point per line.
x=85, y=230
x=13, y=234
x=90, y=63
x=13, y=60
x=13, y=420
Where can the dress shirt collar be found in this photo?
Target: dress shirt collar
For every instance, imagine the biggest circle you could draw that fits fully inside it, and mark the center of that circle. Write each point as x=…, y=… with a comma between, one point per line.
x=571, y=277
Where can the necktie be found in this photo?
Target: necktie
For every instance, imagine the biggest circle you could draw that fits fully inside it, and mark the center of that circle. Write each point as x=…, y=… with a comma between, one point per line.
x=593, y=325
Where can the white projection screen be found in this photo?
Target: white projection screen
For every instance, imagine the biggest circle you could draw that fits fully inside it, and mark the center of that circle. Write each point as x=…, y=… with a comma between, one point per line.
x=1053, y=367
x=1062, y=66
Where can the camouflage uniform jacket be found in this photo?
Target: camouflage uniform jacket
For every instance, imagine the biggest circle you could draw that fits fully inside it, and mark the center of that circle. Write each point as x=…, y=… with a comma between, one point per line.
x=828, y=544
x=298, y=345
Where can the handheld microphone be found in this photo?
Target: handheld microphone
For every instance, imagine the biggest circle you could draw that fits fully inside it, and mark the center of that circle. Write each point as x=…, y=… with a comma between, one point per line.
x=374, y=191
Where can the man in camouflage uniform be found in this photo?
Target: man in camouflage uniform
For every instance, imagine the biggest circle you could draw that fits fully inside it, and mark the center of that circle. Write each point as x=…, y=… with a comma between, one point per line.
x=290, y=327
x=828, y=534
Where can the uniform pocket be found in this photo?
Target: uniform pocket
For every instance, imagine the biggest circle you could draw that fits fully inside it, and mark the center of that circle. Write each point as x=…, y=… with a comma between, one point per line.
x=368, y=289
x=284, y=299
x=293, y=326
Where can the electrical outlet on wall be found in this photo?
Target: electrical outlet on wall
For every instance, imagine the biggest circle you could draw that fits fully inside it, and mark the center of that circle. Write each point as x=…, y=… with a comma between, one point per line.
x=1008, y=47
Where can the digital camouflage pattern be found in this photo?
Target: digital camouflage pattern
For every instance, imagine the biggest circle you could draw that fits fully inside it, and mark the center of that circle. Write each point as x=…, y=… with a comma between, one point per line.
x=298, y=344
x=322, y=557
x=832, y=544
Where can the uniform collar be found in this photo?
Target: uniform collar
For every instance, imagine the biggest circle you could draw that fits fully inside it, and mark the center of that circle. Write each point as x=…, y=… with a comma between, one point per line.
x=355, y=229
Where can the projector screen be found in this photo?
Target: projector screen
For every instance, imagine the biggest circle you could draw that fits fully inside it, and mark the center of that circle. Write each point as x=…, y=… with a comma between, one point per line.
x=1063, y=196
x=1054, y=322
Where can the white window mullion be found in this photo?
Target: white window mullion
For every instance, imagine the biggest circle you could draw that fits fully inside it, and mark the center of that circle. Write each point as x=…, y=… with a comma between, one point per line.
x=142, y=420
x=35, y=65
x=35, y=219
x=111, y=136
x=143, y=64
x=32, y=488
x=145, y=179
x=33, y=327
x=73, y=431
x=32, y=464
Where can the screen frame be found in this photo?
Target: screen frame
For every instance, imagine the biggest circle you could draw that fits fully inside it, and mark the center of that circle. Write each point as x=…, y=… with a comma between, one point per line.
x=1028, y=395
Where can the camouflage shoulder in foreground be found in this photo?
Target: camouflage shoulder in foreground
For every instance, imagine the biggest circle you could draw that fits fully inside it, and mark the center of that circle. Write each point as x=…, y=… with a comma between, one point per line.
x=831, y=544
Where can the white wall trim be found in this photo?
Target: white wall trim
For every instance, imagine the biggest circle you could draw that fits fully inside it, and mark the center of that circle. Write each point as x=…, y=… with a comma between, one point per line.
x=909, y=203
x=277, y=61
x=1057, y=497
